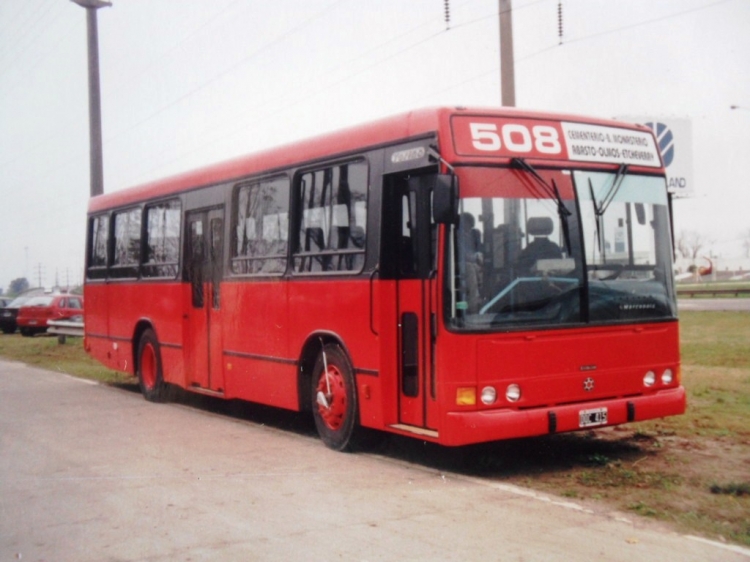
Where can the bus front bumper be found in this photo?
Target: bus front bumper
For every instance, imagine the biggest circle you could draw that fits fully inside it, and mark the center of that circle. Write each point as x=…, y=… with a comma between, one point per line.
x=464, y=428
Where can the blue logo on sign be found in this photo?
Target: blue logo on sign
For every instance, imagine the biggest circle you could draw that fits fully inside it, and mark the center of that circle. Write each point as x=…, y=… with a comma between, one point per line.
x=665, y=139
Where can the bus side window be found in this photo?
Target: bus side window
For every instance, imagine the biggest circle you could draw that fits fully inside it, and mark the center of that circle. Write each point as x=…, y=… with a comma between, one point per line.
x=98, y=247
x=163, y=228
x=332, y=228
x=127, y=255
x=261, y=227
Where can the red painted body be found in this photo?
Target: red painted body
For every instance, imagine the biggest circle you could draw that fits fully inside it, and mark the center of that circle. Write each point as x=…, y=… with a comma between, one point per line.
x=254, y=346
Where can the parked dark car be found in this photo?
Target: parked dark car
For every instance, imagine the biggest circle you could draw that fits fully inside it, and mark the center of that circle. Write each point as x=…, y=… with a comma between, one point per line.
x=37, y=311
x=8, y=314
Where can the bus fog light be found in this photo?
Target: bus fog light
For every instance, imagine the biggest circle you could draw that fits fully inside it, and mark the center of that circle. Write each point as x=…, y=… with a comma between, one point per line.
x=466, y=396
x=513, y=393
x=489, y=395
x=649, y=378
x=667, y=376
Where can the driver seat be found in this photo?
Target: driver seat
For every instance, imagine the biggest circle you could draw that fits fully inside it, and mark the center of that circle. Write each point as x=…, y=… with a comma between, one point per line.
x=541, y=248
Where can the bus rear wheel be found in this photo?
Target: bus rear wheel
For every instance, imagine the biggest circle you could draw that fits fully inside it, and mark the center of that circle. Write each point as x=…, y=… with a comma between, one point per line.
x=149, y=370
x=334, y=399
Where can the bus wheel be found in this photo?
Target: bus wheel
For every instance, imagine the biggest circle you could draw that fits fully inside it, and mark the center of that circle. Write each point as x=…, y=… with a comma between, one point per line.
x=334, y=402
x=149, y=373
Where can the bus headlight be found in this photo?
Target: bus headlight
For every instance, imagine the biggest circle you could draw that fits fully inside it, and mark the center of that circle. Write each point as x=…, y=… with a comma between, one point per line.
x=649, y=378
x=667, y=376
x=489, y=395
x=513, y=393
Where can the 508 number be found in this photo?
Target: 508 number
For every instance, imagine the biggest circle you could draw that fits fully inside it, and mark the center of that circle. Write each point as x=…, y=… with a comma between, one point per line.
x=515, y=138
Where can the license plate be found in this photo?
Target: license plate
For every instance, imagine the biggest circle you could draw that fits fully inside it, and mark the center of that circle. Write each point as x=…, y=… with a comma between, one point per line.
x=6, y=314
x=593, y=417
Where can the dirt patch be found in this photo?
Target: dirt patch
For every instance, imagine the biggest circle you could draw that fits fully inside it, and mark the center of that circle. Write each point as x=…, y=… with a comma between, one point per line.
x=694, y=483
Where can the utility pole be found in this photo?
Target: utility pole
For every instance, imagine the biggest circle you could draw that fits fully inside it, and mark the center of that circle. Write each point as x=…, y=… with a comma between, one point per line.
x=507, y=70
x=39, y=275
x=95, y=105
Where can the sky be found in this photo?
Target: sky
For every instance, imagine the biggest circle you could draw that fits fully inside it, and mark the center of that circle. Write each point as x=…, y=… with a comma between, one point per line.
x=186, y=83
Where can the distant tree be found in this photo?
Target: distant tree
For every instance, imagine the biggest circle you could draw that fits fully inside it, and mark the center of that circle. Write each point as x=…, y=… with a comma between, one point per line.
x=18, y=285
x=690, y=243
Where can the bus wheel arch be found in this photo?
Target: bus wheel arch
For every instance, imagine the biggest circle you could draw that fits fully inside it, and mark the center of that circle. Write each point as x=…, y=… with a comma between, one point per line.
x=140, y=327
x=148, y=364
x=330, y=395
x=308, y=356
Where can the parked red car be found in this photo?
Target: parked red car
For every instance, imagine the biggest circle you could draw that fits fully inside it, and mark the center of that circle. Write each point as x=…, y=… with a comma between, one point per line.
x=36, y=312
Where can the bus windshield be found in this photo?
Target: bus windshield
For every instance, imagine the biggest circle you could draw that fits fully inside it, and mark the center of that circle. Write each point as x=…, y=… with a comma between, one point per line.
x=558, y=247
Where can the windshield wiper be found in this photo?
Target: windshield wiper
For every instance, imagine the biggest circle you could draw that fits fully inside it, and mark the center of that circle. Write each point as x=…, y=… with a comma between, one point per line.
x=553, y=192
x=614, y=188
x=598, y=218
x=601, y=208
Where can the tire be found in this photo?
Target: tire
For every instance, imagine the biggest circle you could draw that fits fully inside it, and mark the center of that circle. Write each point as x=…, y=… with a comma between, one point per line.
x=149, y=368
x=335, y=412
x=27, y=332
x=8, y=329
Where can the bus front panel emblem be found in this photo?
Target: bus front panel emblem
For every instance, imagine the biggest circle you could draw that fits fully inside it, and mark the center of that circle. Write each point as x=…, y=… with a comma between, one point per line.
x=588, y=384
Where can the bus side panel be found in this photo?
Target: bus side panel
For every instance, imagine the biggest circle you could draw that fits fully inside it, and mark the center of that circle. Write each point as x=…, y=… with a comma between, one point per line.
x=96, y=322
x=388, y=352
x=341, y=308
x=258, y=365
x=161, y=305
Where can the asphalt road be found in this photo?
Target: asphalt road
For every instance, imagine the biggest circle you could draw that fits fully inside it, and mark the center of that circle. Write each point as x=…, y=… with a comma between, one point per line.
x=90, y=472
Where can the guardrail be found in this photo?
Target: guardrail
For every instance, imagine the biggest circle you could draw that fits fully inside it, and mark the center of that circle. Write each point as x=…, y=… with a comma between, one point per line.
x=64, y=328
x=703, y=292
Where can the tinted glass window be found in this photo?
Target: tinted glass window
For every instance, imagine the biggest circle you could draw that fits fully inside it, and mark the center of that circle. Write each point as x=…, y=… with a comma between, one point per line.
x=127, y=239
x=333, y=222
x=162, y=239
x=261, y=227
x=98, y=245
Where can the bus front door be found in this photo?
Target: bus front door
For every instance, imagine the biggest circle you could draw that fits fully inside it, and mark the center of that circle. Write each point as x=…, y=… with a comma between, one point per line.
x=416, y=304
x=204, y=259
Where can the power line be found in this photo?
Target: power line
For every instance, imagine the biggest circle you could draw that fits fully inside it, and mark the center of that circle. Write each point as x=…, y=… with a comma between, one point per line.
x=308, y=93
x=158, y=59
x=224, y=72
x=623, y=28
x=19, y=44
x=42, y=57
x=359, y=71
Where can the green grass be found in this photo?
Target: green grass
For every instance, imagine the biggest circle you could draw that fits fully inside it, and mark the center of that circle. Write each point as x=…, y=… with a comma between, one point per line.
x=715, y=339
x=45, y=352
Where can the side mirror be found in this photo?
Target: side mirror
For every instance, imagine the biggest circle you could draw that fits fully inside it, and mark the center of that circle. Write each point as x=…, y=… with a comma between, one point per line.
x=445, y=199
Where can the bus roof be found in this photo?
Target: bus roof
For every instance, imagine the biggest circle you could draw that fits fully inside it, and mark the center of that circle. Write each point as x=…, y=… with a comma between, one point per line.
x=410, y=125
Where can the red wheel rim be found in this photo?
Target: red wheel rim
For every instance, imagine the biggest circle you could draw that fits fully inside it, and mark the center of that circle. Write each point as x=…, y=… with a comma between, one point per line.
x=333, y=388
x=148, y=366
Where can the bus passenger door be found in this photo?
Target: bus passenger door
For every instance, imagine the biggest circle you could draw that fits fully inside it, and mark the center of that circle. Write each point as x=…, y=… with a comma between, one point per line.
x=414, y=251
x=204, y=271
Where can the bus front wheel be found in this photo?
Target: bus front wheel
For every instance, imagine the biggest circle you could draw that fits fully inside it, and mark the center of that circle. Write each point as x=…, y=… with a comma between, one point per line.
x=150, y=377
x=334, y=402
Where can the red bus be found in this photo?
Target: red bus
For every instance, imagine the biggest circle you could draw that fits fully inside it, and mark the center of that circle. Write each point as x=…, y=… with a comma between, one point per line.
x=452, y=274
